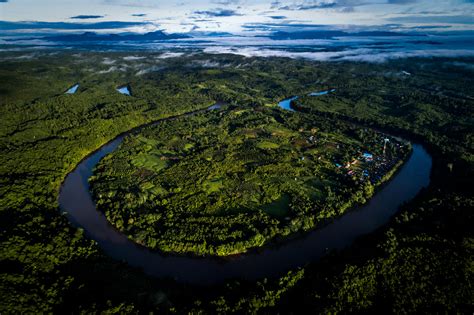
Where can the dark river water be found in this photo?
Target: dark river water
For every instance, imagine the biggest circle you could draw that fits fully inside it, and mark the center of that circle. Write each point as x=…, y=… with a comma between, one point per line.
x=76, y=202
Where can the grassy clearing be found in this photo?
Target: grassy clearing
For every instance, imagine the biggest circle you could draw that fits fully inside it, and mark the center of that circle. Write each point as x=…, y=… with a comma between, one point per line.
x=267, y=145
x=279, y=208
x=213, y=185
x=151, y=162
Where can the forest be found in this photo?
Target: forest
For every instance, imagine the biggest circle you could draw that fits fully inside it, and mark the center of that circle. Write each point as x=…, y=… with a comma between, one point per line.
x=222, y=182
x=420, y=262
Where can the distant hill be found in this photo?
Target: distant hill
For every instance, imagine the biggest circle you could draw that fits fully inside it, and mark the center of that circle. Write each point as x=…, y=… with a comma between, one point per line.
x=322, y=34
x=210, y=34
x=91, y=36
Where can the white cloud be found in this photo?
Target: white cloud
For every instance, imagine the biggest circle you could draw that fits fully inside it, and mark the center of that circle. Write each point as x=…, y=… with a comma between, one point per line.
x=134, y=3
x=149, y=70
x=132, y=58
x=170, y=15
x=113, y=69
x=361, y=54
x=170, y=55
x=108, y=61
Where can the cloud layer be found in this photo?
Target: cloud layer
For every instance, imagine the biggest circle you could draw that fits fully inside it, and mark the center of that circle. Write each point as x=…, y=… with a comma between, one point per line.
x=296, y=28
x=219, y=12
x=87, y=17
x=231, y=15
x=34, y=25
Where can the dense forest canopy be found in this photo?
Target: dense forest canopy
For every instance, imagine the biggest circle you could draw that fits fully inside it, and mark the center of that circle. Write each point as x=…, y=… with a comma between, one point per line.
x=420, y=262
x=224, y=181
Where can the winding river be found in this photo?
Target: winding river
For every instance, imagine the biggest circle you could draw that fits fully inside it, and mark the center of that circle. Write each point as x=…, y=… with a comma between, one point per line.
x=77, y=204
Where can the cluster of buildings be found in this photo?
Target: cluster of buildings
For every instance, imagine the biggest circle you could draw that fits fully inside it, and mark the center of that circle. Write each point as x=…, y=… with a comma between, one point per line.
x=369, y=166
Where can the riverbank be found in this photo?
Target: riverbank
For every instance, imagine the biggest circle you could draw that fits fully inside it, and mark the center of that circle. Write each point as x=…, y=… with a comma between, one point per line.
x=81, y=209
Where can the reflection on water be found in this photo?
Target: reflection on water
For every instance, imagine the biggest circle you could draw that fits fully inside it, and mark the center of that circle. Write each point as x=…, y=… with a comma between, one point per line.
x=322, y=92
x=124, y=90
x=286, y=103
x=72, y=89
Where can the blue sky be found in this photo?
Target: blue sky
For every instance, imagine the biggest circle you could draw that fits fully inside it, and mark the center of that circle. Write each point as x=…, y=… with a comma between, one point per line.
x=243, y=16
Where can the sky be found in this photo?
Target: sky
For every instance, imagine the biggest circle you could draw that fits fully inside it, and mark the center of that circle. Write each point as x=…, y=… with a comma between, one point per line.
x=245, y=16
x=360, y=30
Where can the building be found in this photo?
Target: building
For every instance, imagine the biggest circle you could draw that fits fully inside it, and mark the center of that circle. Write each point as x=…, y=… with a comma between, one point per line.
x=368, y=156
